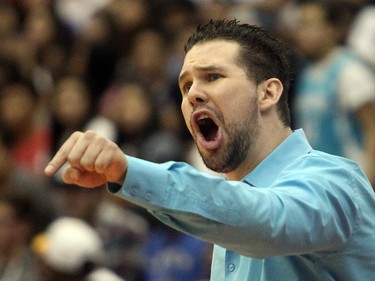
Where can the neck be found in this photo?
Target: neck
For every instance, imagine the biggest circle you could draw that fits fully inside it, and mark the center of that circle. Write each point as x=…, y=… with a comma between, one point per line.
x=267, y=142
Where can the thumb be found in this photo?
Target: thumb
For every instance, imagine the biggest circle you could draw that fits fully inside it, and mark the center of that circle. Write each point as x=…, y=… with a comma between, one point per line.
x=71, y=175
x=75, y=176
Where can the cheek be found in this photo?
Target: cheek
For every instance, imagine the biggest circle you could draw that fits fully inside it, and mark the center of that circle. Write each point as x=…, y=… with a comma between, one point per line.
x=238, y=101
x=186, y=112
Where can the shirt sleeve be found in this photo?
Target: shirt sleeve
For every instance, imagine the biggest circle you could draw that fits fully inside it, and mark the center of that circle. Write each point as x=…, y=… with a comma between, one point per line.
x=294, y=216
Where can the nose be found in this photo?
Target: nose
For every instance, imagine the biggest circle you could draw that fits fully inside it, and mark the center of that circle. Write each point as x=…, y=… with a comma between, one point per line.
x=197, y=95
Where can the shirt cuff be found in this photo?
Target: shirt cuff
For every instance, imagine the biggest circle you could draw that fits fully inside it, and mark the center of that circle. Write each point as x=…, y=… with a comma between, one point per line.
x=144, y=181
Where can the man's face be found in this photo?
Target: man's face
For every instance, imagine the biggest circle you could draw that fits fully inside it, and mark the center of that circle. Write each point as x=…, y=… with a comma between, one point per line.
x=219, y=104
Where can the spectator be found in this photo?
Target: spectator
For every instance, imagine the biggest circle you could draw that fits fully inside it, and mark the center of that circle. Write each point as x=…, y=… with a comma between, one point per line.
x=70, y=250
x=22, y=215
x=28, y=139
x=335, y=93
x=129, y=16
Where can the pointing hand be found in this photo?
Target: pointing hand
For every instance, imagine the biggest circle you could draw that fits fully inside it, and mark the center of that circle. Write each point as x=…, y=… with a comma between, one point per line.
x=92, y=160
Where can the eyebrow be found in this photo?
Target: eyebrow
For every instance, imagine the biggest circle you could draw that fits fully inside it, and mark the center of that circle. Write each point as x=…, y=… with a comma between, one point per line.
x=201, y=69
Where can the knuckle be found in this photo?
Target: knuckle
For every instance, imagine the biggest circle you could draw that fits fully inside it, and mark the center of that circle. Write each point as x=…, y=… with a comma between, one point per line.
x=90, y=134
x=86, y=164
x=100, y=167
x=115, y=146
x=112, y=146
x=73, y=161
x=77, y=134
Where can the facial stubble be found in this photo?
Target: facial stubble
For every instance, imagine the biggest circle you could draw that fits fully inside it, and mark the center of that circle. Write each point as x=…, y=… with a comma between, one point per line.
x=239, y=138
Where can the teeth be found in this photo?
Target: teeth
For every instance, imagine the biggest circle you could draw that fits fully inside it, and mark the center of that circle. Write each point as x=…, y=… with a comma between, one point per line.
x=203, y=116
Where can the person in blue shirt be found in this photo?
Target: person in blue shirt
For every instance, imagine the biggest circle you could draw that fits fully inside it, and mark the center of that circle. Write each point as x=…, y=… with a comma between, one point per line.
x=334, y=97
x=282, y=211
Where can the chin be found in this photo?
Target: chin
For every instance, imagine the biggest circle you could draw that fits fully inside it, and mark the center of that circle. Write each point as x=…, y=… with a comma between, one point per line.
x=215, y=164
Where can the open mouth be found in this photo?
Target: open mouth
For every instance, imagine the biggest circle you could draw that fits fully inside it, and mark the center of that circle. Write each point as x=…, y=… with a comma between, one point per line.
x=209, y=134
x=208, y=128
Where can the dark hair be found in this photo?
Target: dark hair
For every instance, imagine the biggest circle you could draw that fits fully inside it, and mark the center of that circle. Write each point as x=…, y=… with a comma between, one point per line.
x=262, y=56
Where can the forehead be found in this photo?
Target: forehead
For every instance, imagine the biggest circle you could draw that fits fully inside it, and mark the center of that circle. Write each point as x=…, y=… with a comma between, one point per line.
x=215, y=52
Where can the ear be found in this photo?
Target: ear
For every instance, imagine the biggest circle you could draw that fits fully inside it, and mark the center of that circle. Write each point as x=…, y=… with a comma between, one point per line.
x=269, y=93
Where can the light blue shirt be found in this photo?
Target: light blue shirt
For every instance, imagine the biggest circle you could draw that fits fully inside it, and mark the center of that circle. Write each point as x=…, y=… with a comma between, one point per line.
x=299, y=215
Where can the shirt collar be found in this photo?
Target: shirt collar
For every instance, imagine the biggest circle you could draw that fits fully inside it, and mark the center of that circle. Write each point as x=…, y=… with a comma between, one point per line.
x=270, y=168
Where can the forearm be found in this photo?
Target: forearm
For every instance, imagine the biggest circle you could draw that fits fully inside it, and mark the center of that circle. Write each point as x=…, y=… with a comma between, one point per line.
x=251, y=221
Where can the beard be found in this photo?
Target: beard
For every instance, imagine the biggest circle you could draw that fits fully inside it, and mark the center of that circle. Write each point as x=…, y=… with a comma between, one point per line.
x=240, y=137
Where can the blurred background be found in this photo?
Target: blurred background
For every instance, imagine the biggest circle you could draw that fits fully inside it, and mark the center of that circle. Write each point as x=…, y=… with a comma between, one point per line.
x=112, y=66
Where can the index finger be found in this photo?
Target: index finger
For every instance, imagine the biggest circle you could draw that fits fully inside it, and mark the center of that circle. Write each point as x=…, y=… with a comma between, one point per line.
x=61, y=155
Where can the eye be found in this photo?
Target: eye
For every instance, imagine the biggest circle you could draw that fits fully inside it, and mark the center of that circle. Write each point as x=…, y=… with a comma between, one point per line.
x=185, y=88
x=213, y=77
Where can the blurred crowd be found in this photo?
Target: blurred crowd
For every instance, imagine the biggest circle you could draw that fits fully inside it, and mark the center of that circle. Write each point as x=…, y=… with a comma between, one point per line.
x=111, y=66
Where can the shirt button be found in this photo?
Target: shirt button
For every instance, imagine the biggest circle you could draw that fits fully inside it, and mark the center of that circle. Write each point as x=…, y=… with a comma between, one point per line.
x=133, y=191
x=231, y=267
x=148, y=196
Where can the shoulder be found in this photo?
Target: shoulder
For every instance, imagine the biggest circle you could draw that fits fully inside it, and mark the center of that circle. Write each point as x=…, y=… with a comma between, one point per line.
x=325, y=172
x=317, y=161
